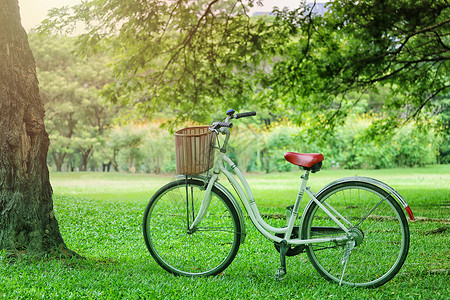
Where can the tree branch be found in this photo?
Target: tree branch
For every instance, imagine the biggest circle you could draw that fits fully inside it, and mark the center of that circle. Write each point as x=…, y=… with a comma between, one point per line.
x=186, y=40
x=425, y=102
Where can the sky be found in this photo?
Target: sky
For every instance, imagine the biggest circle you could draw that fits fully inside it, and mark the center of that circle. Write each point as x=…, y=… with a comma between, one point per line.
x=34, y=11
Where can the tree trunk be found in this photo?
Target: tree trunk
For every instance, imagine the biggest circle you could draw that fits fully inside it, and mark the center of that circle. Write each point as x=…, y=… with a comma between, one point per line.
x=27, y=221
x=85, y=153
x=59, y=160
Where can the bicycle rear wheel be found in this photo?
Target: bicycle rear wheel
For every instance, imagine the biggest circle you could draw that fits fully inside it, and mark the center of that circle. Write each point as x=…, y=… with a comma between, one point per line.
x=380, y=235
x=205, y=251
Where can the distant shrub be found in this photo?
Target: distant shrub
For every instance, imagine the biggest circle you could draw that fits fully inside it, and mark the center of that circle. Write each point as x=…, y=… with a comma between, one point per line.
x=347, y=148
x=407, y=147
x=149, y=148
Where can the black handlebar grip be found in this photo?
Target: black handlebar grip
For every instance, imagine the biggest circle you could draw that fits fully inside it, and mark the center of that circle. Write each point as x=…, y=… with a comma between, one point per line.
x=245, y=114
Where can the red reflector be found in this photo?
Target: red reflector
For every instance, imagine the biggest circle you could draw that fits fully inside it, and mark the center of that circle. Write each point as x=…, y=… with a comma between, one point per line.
x=410, y=213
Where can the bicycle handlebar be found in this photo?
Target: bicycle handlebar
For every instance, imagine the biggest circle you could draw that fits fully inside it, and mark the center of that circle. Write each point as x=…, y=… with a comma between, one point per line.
x=231, y=115
x=218, y=125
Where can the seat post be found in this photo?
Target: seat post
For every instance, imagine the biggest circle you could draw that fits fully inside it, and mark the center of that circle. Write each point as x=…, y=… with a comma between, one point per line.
x=305, y=176
x=296, y=205
x=302, y=188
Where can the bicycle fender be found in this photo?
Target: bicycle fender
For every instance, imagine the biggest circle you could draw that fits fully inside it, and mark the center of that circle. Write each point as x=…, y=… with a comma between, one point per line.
x=232, y=199
x=377, y=183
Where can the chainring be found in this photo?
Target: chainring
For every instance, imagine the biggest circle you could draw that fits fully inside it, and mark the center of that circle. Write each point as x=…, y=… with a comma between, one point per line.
x=292, y=250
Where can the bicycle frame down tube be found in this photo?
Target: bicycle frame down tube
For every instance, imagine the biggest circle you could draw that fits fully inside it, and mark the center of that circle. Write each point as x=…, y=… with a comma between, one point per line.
x=250, y=204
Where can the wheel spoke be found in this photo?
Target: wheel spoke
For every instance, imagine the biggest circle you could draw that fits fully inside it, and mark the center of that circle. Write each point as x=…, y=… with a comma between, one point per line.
x=369, y=213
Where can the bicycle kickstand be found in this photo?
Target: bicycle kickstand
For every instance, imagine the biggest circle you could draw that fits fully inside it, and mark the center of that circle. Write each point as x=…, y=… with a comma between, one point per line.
x=279, y=275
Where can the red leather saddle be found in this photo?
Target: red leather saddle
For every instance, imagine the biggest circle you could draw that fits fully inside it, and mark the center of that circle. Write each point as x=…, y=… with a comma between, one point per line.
x=305, y=160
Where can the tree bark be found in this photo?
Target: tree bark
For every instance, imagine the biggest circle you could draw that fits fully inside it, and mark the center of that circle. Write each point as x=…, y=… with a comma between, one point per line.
x=27, y=221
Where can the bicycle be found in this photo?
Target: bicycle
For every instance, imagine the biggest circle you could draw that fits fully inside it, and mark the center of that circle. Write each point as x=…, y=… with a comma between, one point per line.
x=353, y=230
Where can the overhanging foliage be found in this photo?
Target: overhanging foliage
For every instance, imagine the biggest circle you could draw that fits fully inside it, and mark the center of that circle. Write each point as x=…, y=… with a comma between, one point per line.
x=197, y=57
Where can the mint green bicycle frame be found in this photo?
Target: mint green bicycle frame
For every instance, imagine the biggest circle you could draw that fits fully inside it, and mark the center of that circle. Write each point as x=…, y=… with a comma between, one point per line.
x=246, y=195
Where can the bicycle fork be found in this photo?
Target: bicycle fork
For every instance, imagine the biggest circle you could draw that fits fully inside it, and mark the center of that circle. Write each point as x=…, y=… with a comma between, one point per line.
x=203, y=206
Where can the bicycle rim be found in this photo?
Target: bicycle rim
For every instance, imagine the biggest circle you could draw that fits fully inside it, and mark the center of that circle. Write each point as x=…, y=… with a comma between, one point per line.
x=207, y=250
x=380, y=227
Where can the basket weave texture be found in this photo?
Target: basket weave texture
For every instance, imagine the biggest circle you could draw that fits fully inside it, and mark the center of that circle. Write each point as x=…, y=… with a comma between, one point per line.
x=194, y=153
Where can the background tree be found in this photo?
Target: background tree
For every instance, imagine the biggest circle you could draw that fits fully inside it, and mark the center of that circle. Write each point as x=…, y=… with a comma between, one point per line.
x=194, y=57
x=77, y=117
x=188, y=55
x=27, y=223
x=361, y=46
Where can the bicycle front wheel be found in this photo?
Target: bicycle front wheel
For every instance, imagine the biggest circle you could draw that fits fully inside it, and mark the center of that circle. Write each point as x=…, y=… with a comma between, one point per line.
x=206, y=250
x=379, y=230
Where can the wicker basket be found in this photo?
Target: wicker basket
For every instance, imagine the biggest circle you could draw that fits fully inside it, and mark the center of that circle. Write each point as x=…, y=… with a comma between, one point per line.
x=194, y=153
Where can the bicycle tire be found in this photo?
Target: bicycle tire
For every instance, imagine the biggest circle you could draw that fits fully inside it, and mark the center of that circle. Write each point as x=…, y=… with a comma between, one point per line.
x=381, y=234
x=206, y=251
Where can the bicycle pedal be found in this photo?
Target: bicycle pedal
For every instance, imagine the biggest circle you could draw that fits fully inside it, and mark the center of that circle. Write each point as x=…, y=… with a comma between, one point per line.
x=279, y=274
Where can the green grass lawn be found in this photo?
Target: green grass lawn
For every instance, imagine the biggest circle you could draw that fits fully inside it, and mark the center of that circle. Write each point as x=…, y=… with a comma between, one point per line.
x=100, y=217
